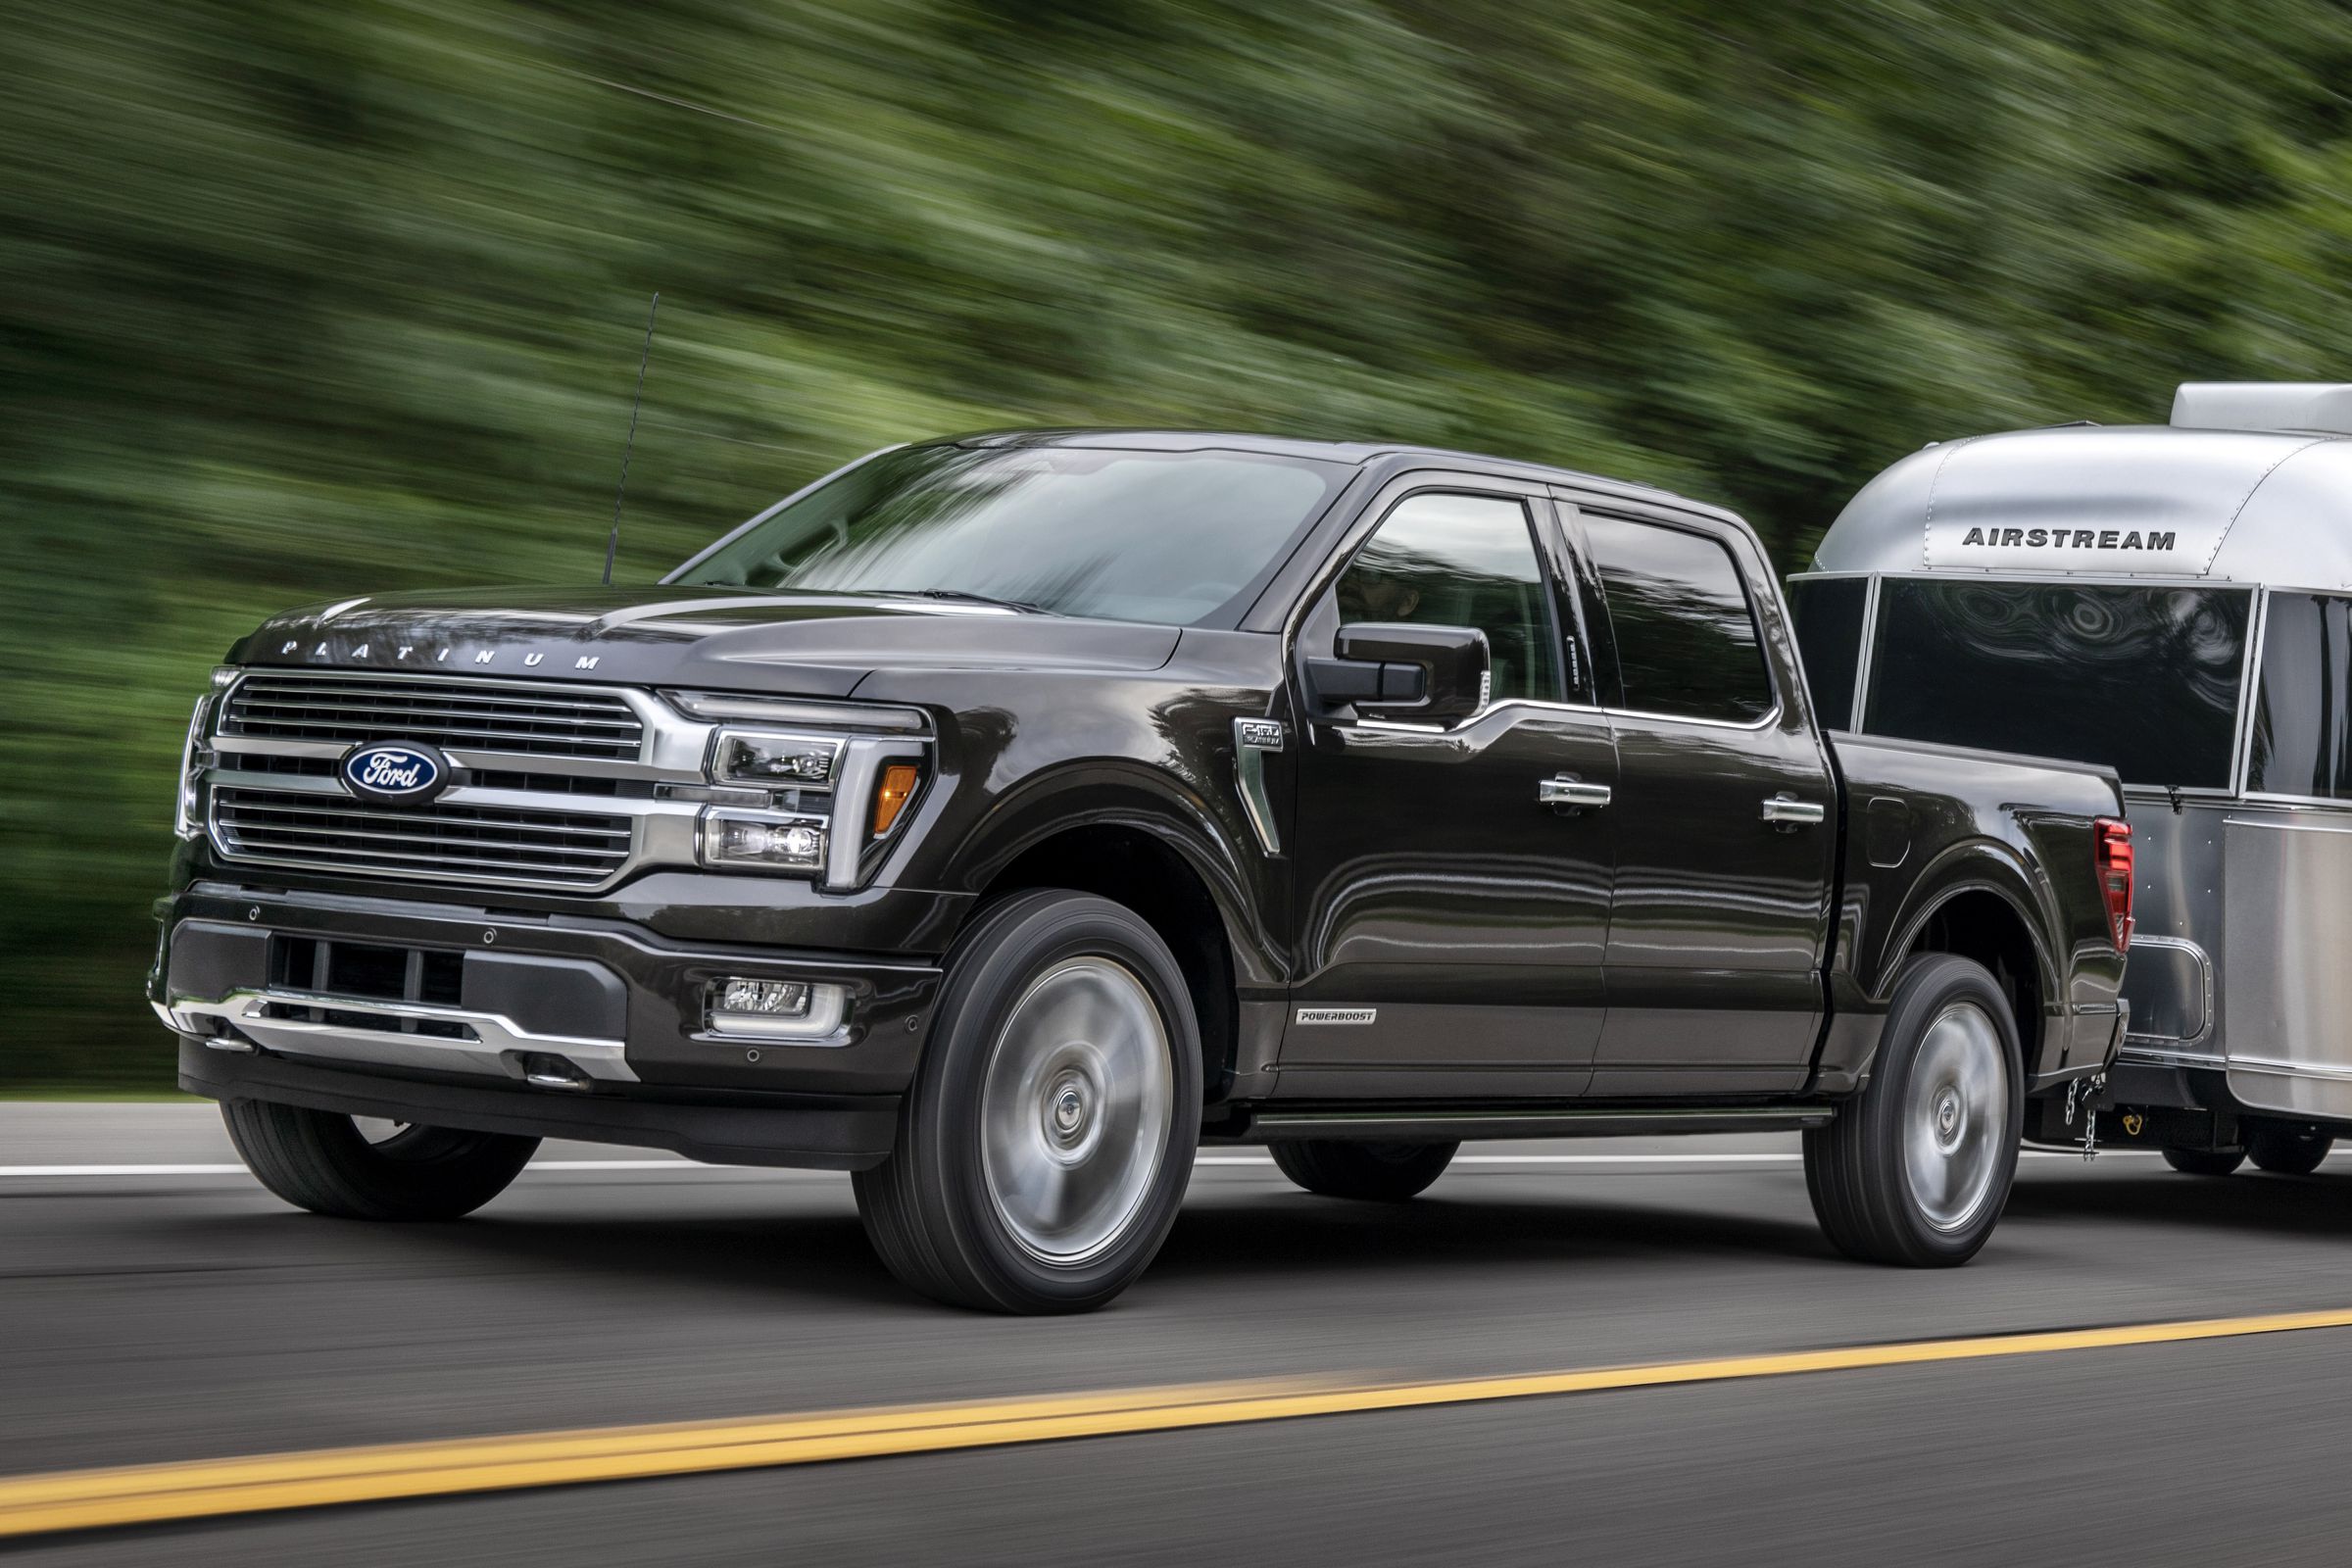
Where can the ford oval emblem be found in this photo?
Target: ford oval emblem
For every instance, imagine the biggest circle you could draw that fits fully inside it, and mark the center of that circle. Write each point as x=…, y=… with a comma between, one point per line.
x=404, y=772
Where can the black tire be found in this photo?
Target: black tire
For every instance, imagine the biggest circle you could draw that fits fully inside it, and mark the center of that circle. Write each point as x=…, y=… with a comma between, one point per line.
x=2204, y=1161
x=2287, y=1148
x=935, y=1213
x=1859, y=1169
x=1387, y=1173
x=320, y=1161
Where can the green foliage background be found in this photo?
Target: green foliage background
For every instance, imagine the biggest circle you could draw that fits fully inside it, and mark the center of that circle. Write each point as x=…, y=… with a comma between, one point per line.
x=298, y=300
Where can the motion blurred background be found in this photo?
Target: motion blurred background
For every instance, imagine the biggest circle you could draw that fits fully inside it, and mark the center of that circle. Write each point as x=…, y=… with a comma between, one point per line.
x=302, y=300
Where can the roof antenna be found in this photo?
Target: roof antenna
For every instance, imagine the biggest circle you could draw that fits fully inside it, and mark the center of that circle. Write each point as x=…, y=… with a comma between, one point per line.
x=612, y=539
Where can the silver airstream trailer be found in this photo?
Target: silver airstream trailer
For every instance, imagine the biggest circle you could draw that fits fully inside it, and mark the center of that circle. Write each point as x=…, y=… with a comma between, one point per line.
x=2176, y=602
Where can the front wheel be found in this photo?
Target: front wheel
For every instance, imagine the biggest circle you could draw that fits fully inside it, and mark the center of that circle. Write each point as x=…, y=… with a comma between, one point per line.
x=331, y=1165
x=1049, y=1135
x=1916, y=1169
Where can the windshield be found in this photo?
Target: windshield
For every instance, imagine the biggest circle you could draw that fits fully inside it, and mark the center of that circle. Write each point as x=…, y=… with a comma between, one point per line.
x=1166, y=537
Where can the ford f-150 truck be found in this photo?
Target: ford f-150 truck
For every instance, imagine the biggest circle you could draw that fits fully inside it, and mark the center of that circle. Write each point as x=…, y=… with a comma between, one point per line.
x=1000, y=817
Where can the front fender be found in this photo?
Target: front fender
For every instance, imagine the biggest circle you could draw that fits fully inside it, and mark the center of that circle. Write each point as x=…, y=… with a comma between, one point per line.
x=1135, y=797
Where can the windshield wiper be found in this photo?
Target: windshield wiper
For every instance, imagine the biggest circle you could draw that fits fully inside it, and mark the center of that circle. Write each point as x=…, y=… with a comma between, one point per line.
x=964, y=597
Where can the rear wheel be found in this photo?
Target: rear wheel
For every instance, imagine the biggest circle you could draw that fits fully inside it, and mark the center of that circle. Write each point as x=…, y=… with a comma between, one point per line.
x=370, y=1169
x=1383, y=1172
x=2204, y=1161
x=1916, y=1169
x=1049, y=1135
x=2288, y=1149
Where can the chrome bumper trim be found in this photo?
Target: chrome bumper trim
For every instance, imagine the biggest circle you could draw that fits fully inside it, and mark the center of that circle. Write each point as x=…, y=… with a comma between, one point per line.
x=496, y=1049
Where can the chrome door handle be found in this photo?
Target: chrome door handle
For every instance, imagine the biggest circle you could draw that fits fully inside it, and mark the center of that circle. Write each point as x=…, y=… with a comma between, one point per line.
x=1787, y=813
x=1573, y=794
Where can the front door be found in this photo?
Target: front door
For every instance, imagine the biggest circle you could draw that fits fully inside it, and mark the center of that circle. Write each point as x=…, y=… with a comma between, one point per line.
x=1726, y=820
x=1454, y=899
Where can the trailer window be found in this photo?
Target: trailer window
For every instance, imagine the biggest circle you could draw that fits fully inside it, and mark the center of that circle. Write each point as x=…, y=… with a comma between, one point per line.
x=2144, y=680
x=2302, y=742
x=1828, y=612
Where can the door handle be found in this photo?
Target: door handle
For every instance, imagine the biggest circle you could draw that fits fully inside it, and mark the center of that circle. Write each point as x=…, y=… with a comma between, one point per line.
x=1573, y=794
x=1787, y=813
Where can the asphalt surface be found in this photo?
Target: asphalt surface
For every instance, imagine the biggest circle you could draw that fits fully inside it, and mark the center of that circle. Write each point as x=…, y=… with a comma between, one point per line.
x=161, y=1317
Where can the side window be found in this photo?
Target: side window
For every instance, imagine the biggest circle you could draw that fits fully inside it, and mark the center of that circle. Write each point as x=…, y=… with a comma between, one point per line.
x=1687, y=639
x=1828, y=612
x=2301, y=744
x=1462, y=561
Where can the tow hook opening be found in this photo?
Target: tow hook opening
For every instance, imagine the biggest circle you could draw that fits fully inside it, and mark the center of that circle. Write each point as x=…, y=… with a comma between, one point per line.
x=543, y=1070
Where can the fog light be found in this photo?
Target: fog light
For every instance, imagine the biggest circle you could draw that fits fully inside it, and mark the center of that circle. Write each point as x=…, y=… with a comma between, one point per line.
x=774, y=1010
x=775, y=999
x=754, y=841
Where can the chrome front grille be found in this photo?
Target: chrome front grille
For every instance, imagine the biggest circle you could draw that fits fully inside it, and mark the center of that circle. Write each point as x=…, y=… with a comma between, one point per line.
x=332, y=832
x=451, y=712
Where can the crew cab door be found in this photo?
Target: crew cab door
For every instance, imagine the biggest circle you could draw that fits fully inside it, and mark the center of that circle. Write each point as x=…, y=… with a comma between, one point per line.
x=1725, y=815
x=1452, y=903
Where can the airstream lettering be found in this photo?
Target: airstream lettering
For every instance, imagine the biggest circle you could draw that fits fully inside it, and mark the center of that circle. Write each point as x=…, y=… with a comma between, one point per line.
x=2068, y=538
x=2175, y=601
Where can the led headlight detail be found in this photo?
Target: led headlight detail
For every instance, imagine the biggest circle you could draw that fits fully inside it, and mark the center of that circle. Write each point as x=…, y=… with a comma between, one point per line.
x=774, y=1010
x=762, y=840
x=748, y=756
x=187, y=816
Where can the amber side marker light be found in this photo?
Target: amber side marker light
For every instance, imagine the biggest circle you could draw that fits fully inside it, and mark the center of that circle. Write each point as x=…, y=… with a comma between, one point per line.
x=897, y=789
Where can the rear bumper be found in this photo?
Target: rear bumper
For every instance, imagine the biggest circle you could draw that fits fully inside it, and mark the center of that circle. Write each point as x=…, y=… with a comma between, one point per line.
x=818, y=1132
x=601, y=1015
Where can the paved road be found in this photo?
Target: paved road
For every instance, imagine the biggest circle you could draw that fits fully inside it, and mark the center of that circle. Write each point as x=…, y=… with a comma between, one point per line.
x=168, y=1317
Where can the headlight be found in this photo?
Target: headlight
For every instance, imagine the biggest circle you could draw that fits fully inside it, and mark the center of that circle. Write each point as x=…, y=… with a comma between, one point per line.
x=750, y=757
x=762, y=840
x=187, y=809
x=804, y=787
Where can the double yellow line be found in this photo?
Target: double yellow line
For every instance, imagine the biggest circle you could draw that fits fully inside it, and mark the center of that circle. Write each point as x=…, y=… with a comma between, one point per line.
x=84, y=1500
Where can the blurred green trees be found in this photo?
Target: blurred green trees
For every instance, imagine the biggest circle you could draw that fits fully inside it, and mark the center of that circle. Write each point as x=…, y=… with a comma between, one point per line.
x=301, y=300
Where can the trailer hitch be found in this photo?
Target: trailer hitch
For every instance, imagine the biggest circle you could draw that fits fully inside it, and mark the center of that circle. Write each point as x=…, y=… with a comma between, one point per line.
x=2088, y=1092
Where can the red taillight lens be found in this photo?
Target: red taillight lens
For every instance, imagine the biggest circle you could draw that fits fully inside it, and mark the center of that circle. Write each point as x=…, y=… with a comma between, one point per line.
x=2112, y=845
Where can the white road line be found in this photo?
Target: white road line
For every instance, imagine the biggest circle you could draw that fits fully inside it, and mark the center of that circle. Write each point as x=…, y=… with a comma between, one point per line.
x=1766, y=1158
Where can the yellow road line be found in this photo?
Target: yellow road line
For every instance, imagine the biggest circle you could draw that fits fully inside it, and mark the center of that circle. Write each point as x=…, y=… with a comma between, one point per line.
x=84, y=1500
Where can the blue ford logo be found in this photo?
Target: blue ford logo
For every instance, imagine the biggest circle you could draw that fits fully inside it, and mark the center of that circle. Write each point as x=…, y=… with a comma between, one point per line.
x=395, y=770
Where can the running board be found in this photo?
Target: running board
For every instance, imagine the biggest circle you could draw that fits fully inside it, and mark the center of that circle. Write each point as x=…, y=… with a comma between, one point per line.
x=1443, y=1126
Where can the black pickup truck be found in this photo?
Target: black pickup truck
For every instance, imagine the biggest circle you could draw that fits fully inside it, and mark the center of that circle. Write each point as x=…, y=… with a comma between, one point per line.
x=1000, y=817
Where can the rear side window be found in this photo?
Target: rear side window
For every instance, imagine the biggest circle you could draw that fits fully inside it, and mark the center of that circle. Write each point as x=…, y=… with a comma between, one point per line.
x=2144, y=680
x=2302, y=742
x=1829, y=611
x=1462, y=561
x=1687, y=639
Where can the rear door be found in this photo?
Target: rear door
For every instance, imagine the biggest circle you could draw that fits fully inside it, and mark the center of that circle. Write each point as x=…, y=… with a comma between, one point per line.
x=1453, y=911
x=1725, y=817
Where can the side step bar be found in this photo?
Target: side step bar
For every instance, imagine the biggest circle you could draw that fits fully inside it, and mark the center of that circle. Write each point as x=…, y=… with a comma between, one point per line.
x=1429, y=1125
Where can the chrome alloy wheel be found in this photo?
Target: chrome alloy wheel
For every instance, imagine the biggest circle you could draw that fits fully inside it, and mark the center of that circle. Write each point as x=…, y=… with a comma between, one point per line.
x=1075, y=1108
x=1957, y=1116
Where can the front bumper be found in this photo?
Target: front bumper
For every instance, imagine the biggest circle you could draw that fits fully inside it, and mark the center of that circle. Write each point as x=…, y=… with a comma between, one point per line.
x=814, y=1132
x=597, y=1012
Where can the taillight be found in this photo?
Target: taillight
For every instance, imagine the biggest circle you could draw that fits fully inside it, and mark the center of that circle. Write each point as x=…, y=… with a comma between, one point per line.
x=2111, y=847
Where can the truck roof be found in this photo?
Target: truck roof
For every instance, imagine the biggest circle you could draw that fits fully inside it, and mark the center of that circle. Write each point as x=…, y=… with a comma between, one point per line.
x=1354, y=453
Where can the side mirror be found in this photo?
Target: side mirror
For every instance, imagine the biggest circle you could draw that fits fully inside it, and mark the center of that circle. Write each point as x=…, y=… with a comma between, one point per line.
x=1393, y=670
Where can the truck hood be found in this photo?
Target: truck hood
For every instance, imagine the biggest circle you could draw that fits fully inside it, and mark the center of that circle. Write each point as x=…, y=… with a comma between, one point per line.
x=820, y=645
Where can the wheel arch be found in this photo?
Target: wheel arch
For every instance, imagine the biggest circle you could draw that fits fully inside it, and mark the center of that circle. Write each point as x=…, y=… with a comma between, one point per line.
x=1989, y=918
x=1143, y=840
